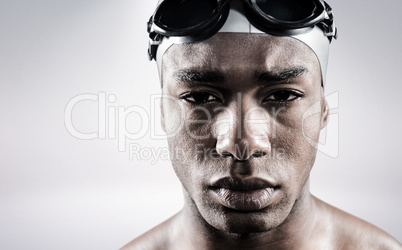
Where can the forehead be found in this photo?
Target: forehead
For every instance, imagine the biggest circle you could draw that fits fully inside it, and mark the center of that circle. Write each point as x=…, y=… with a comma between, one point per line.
x=225, y=51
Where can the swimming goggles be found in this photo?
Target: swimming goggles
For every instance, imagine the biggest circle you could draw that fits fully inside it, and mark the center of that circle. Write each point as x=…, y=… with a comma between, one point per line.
x=196, y=20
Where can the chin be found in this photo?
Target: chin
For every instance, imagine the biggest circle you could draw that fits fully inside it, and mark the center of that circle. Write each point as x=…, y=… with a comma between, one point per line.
x=237, y=222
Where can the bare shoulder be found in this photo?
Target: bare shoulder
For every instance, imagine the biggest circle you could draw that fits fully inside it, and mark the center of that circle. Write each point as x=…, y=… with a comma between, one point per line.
x=351, y=232
x=158, y=237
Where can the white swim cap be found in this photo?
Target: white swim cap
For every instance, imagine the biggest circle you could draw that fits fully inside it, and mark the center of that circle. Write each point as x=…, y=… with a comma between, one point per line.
x=237, y=22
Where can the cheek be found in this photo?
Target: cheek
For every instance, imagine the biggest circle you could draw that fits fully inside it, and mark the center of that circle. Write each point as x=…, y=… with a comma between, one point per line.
x=188, y=128
x=190, y=142
x=173, y=114
x=197, y=125
x=193, y=122
x=296, y=133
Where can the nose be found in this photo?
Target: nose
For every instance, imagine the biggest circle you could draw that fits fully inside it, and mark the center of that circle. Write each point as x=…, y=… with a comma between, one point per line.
x=243, y=132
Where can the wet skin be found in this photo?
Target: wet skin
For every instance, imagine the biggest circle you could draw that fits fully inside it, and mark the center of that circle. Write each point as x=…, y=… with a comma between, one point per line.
x=253, y=96
x=243, y=113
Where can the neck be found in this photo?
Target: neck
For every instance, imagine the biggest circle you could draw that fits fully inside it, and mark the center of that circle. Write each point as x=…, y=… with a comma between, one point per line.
x=292, y=233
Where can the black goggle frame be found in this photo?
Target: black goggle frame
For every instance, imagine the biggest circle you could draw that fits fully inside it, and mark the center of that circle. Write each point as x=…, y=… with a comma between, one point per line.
x=320, y=15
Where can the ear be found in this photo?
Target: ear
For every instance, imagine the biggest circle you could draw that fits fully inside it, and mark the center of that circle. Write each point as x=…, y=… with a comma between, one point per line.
x=324, y=112
x=162, y=116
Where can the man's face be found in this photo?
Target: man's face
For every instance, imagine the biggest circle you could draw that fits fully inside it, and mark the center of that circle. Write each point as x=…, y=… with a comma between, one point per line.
x=242, y=113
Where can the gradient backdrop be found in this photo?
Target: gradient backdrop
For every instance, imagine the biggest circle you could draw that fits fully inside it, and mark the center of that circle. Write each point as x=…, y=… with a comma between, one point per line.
x=60, y=192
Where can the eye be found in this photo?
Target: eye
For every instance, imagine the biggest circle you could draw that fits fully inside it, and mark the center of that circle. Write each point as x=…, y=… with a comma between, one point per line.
x=200, y=97
x=283, y=96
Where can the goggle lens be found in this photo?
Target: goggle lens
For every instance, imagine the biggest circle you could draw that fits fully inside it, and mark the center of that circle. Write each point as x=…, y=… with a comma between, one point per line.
x=196, y=20
x=185, y=14
x=287, y=10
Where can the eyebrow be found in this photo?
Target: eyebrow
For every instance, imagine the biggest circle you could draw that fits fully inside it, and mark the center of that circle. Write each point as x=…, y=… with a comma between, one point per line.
x=280, y=76
x=212, y=76
x=215, y=76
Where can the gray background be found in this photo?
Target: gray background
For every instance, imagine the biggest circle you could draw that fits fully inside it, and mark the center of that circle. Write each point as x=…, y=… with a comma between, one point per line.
x=60, y=192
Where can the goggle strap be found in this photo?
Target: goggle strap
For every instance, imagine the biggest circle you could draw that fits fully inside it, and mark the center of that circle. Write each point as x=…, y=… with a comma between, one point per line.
x=328, y=25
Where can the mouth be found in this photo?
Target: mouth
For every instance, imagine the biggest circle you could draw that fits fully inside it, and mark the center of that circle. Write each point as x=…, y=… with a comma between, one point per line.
x=251, y=194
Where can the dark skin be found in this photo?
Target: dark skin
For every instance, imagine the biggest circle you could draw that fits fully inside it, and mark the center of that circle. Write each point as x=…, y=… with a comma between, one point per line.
x=248, y=108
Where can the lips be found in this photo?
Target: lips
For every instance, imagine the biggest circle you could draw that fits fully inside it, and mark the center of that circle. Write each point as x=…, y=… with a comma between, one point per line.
x=243, y=194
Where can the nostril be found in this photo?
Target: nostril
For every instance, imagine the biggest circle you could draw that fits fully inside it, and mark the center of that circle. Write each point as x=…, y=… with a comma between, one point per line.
x=226, y=154
x=222, y=153
x=258, y=154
